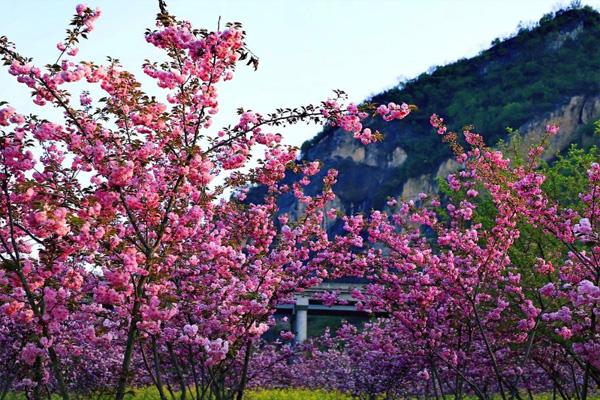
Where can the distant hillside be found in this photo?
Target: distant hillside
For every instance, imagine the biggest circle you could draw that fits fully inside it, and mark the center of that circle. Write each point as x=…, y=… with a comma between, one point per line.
x=547, y=73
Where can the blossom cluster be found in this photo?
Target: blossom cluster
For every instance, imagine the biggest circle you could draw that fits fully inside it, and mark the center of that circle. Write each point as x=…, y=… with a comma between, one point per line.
x=123, y=260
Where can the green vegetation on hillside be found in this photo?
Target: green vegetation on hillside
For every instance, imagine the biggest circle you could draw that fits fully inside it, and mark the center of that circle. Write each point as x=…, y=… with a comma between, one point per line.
x=516, y=80
x=512, y=81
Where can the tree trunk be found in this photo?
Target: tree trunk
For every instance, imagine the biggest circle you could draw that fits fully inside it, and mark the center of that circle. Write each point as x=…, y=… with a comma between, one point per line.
x=131, y=338
x=243, y=382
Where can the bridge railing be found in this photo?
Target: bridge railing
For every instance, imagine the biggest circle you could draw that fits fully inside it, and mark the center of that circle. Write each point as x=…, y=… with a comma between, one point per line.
x=309, y=302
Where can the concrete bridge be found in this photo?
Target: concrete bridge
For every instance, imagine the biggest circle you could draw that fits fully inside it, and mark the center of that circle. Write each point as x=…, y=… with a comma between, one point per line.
x=308, y=302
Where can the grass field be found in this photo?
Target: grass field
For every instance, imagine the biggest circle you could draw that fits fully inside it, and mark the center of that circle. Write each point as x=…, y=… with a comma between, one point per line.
x=296, y=394
x=306, y=394
x=282, y=394
x=273, y=394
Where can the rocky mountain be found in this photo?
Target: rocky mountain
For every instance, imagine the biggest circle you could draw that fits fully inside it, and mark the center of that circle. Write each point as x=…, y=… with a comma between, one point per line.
x=545, y=73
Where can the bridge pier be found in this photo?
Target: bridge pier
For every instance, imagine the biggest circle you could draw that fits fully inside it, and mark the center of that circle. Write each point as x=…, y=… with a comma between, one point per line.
x=301, y=319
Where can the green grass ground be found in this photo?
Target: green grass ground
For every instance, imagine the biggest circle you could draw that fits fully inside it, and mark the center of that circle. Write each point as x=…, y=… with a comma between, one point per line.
x=296, y=394
x=273, y=394
x=281, y=394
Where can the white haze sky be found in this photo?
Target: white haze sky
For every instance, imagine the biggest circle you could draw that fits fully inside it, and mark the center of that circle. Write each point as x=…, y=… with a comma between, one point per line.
x=306, y=47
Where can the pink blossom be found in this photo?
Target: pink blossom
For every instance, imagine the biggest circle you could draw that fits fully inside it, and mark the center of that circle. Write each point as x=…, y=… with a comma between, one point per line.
x=30, y=353
x=547, y=290
x=122, y=175
x=552, y=129
x=6, y=114
x=564, y=332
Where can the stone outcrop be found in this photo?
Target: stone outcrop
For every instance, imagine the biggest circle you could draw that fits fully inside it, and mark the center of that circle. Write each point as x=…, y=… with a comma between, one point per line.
x=571, y=117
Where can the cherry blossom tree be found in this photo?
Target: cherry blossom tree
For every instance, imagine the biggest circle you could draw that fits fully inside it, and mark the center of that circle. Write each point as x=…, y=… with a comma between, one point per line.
x=132, y=256
x=129, y=254
x=466, y=312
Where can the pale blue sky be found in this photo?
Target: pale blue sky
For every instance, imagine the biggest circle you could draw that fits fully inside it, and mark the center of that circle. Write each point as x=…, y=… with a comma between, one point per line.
x=306, y=48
